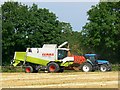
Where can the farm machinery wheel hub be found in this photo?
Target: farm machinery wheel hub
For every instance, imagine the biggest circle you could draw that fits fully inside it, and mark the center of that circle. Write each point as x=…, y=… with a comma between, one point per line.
x=85, y=68
x=27, y=70
x=52, y=68
x=103, y=68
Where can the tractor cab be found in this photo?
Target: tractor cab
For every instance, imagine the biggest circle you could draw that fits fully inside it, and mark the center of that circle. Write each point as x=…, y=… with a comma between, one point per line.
x=92, y=58
x=96, y=58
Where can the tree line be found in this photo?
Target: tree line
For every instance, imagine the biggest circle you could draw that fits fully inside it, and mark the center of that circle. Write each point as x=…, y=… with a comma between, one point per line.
x=24, y=26
x=102, y=33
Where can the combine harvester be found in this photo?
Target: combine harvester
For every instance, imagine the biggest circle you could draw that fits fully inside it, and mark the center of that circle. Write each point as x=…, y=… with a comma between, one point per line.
x=55, y=59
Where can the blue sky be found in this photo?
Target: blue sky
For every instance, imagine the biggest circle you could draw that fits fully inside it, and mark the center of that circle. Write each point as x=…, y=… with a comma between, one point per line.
x=74, y=13
x=69, y=11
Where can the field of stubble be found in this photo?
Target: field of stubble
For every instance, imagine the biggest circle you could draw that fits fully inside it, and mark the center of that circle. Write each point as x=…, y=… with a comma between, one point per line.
x=60, y=80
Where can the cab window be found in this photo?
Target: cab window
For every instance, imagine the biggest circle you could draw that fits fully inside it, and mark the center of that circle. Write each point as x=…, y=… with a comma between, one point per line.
x=62, y=54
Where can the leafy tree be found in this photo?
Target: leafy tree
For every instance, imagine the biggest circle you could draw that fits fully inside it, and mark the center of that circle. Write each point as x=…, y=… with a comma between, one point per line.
x=24, y=26
x=0, y=36
x=73, y=37
x=101, y=34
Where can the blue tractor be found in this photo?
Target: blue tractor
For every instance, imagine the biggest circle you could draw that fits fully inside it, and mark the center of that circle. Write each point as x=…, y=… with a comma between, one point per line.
x=93, y=63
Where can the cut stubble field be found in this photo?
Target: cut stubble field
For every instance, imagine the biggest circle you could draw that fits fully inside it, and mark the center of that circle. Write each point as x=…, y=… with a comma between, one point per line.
x=60, y=80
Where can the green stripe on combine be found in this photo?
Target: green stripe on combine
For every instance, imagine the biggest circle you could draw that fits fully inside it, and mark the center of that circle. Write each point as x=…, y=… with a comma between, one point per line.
x=37, y=61
x=66, y=64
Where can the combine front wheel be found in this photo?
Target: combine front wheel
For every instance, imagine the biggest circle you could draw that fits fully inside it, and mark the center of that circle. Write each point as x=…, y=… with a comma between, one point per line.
x=53, y=67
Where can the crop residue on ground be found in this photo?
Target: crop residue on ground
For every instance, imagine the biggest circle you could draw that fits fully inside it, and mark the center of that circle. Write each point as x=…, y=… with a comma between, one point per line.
x=60, y=80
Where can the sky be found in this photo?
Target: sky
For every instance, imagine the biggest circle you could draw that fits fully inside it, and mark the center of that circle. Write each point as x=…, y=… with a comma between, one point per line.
x=73, y=12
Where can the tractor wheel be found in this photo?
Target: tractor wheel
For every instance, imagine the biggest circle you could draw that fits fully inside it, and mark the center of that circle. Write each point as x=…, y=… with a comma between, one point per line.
x=103, y=68
x=53, y=67
x=86, y=67
x=28, y=69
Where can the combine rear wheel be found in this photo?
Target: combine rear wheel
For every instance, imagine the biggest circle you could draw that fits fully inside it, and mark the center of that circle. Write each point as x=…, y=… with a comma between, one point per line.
x=28, y=69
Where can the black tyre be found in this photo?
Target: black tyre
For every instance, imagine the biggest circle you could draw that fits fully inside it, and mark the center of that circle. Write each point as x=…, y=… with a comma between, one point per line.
x=53, y=67
x=86, y=67
x=28, y=69
x=103, y=68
